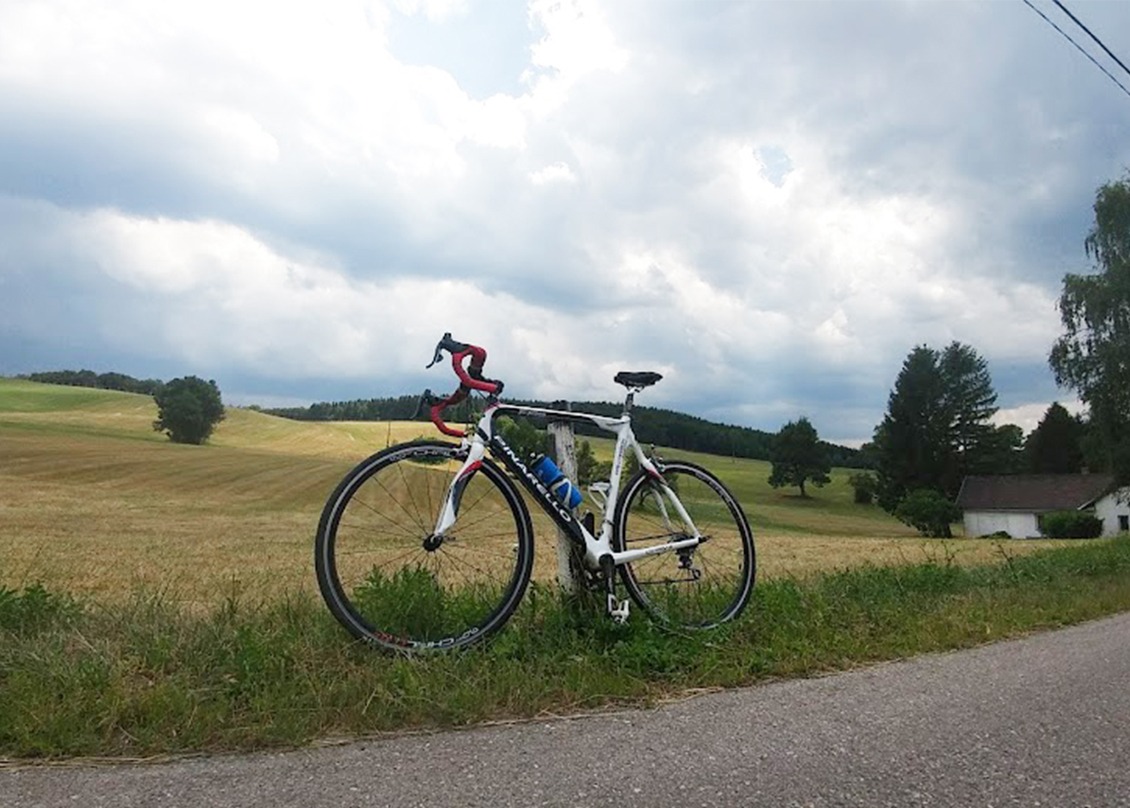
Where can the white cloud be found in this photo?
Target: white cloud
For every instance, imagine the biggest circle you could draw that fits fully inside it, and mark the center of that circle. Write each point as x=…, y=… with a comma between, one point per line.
x=229, y=297
x=576, y=44
x=577, y=39
x=1028, y=416
x=554, y=173
x=436, y=10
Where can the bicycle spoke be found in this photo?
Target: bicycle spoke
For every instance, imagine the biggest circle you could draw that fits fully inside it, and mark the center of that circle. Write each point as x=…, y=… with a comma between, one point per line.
x=693, y=587
x=388, y=580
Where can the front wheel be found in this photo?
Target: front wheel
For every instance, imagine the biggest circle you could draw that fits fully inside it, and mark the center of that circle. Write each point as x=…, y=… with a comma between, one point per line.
x=391, y=581
x=694, y=588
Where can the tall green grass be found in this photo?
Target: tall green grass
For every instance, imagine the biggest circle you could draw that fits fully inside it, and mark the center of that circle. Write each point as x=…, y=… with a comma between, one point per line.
x=149, y=678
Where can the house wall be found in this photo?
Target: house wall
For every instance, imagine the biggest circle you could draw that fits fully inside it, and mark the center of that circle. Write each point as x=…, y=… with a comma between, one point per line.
x=984, y=523
x=1112, y=506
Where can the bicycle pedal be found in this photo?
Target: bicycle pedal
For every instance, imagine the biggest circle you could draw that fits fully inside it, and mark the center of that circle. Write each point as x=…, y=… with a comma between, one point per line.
x=617, y=610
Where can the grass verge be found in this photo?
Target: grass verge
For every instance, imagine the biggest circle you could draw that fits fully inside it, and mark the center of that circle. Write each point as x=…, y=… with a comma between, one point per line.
x=148, y=677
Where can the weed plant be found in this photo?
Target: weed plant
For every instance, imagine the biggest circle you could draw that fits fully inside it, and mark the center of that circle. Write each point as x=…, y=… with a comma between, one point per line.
x=147, y=677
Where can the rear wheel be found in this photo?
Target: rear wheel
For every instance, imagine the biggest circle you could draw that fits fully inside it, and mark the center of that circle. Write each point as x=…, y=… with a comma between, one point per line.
x=695, y=588
x=391, y=581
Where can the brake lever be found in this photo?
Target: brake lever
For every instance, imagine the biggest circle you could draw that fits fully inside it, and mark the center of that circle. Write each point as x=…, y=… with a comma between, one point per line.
x=426, y=400
x=437, y=358
x=447, y=344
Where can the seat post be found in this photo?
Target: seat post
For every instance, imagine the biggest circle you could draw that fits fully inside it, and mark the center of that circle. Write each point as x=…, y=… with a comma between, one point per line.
x=635, y=381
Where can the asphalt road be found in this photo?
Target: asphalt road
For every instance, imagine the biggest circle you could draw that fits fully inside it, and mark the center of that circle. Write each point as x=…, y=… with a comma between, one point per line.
x=1038, y=721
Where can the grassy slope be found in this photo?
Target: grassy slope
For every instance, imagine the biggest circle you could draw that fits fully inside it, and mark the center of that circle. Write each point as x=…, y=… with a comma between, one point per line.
x=98, y=503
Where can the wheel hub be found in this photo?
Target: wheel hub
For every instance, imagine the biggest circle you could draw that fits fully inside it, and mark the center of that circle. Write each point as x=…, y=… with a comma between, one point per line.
x=686, y=562
x=432, y=542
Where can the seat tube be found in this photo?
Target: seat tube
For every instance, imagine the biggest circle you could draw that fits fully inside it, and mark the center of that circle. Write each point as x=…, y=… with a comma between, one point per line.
x=625, y=440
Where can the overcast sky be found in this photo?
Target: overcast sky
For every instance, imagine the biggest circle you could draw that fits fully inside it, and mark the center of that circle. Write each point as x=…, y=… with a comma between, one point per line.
x=769, y=203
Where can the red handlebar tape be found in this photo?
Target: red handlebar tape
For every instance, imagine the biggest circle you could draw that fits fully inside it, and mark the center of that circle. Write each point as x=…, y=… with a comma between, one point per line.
x=468, y=383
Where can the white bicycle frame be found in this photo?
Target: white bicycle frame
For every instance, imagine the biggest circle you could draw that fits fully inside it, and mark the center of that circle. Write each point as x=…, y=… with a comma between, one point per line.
x=597, y=547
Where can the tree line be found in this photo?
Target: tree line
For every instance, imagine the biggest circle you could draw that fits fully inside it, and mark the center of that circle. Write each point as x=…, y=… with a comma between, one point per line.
x=100, y=381
x=938, y=426
x=657, y=426
x=938, y=430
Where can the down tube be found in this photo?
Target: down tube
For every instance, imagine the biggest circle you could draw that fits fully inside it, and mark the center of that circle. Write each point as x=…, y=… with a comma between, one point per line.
x=549, y=503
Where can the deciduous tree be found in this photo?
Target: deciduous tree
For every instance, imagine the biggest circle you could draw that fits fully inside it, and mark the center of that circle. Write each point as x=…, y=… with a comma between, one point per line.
x=1003, y=451
x=799, y=457
x=1093, y=356
x=188, y=409
x=588, y=468
x=864, y=485
x=930, y=512
x=523, y=437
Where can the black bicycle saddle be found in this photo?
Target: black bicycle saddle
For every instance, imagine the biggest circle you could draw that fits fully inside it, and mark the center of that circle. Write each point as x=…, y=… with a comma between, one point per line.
x=638, y=379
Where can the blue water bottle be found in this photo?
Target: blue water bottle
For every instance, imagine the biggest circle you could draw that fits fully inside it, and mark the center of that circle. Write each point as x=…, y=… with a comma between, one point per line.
x=556, y=481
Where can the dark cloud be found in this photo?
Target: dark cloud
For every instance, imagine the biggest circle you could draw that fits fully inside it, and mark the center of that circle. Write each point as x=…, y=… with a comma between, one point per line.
x=771, y=202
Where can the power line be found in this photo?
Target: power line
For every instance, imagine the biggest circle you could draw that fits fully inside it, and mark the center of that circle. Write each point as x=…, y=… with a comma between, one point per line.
x=1078, y=22
x=1079, y=47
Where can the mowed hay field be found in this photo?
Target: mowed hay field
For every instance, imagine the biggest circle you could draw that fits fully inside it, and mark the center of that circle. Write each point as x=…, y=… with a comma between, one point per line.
x=94, y=502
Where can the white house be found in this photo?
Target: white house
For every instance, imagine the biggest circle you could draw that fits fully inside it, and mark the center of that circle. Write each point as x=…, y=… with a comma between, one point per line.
x=1013, y=504
x=1114, y=510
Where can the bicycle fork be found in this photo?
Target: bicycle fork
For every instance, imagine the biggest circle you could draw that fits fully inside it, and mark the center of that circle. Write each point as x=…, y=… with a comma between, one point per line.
x=449, y=511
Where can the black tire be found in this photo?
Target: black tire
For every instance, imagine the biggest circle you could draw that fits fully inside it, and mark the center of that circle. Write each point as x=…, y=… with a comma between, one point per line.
x=695, y=589
x=390, y=583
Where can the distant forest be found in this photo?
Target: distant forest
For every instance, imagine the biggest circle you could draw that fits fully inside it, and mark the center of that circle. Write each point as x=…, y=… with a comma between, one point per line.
x=101, y=381
x=661, y=427
x=658, y=426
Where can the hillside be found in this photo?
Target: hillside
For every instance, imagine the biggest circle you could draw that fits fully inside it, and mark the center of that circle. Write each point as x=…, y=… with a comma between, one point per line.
x=651, y=425
x=96, y=502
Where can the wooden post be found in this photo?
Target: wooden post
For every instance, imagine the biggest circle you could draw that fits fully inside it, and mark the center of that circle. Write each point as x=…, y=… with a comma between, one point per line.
x=565, y=452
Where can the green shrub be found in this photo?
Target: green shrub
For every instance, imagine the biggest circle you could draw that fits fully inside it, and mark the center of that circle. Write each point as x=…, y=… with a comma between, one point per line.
x=929, y=511
x=523, y=437
x=866, y=487
x=34, y=609
x=1071, y=525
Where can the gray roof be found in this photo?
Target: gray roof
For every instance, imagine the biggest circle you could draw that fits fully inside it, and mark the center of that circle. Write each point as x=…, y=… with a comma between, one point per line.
x=1033, y=492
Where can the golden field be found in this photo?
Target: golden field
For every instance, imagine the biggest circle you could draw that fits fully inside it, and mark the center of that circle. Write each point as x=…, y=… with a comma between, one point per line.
x=94, y=502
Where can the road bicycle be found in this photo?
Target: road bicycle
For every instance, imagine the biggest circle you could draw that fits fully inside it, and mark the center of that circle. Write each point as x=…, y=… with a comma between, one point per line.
x=429, y=545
